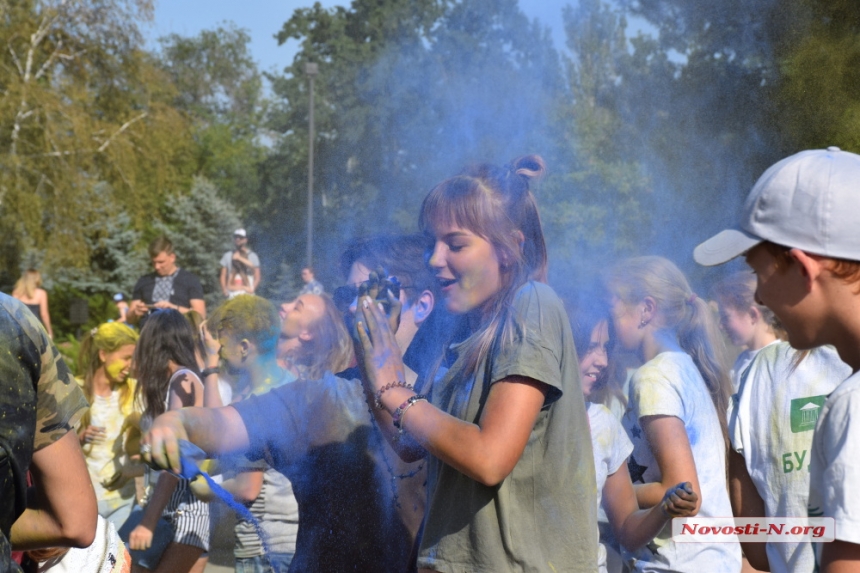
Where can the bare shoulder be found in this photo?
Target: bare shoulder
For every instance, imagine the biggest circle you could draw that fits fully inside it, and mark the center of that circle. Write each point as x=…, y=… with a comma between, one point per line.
x=188, y=388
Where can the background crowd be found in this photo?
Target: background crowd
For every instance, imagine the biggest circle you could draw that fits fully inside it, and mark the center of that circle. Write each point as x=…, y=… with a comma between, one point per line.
x=445, y=409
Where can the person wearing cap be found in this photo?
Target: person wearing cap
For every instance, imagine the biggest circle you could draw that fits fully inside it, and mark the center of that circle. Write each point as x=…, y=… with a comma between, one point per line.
x=799, y=232
x=240, y=267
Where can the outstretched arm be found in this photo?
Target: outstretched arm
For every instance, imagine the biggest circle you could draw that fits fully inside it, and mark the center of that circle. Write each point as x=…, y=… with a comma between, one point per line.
x=61, y=509
x=214, y=430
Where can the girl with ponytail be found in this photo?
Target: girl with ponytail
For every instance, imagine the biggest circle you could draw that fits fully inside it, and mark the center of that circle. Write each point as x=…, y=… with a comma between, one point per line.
x=510, y=479
x=676, y=415
x=104, y=364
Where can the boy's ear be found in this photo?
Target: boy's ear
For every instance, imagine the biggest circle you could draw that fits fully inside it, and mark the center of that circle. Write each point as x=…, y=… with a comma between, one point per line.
x=810, y=266
x=423, y=306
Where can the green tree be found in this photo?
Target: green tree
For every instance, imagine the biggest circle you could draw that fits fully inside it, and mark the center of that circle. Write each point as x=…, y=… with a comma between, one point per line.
x=407, y=94
x=219, y=88
x=116, y=259
x=818, y=97
x=80, y=104
x=598, y=203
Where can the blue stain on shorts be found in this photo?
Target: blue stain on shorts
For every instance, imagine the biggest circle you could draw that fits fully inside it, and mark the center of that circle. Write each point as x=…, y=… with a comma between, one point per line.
x=189, y=456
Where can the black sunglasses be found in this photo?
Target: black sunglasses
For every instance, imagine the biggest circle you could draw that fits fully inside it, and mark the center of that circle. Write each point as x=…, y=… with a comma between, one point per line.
x=344, y=295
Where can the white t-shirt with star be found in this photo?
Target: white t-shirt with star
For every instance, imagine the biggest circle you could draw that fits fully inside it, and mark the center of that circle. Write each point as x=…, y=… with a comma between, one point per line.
x=670, y=385
x=611, y=446
x=834, y=472
x=771, y=423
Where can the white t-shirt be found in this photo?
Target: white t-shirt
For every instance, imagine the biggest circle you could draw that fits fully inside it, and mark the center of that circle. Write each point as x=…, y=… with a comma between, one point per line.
x=107, y=457
x=834, y=472
x=611, y=447
x=742, y=362
x=771, y=423
x=671, y=385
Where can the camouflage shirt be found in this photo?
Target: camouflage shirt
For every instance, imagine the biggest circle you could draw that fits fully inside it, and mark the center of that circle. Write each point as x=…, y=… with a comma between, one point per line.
x=39, y=403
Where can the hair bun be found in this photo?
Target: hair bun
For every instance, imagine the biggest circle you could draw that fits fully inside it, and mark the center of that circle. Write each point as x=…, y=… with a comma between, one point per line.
x=529, y=166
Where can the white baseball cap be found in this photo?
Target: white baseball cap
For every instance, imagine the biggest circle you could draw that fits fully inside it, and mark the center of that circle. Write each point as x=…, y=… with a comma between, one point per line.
x=808, y=201
x=240, y=233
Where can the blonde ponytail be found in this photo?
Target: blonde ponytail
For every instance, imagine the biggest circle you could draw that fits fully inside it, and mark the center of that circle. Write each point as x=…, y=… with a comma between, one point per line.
x=685, y=314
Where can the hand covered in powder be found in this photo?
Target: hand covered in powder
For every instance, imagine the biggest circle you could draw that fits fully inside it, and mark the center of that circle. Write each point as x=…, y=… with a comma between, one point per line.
x=384, y=291
x=160, y=446
x=378, y=353
x=680, y=501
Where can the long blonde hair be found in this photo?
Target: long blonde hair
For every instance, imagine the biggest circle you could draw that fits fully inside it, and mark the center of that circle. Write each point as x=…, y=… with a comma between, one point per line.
x=330, y=347
x=684, y=313
x=27, y=285
x=497, y=204
x=109, y=337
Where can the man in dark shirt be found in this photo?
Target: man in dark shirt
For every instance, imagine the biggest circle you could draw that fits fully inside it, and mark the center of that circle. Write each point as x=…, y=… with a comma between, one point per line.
x=168, y=287
x=360, y=505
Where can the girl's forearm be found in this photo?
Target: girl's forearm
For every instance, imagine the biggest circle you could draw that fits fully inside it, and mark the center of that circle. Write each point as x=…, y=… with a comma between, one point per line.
x=160, y=496
x=650, y=494
x=641, y=526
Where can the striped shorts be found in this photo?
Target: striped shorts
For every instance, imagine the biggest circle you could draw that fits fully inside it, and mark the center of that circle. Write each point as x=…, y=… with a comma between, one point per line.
x=189, y=517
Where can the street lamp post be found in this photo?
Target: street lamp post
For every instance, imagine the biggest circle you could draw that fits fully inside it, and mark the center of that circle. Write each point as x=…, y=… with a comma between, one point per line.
x=311, y=70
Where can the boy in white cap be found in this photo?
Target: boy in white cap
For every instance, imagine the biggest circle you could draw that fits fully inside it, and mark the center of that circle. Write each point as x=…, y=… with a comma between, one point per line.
x=800, y=233
x=241, y=262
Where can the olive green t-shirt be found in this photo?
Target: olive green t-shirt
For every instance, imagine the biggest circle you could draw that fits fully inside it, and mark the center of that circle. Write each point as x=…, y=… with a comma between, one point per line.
x=542, y=517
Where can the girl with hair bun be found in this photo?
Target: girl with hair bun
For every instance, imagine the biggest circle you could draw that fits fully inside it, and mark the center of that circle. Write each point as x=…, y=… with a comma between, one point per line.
x=104, y=364
x=676, y=415
x=511, y=485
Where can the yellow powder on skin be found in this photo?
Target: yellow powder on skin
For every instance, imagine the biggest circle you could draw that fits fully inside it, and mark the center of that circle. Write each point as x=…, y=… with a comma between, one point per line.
x=114, y=370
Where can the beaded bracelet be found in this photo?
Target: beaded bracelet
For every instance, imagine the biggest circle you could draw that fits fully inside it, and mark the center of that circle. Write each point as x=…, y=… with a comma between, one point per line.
x=397, y=416
x=377, y=402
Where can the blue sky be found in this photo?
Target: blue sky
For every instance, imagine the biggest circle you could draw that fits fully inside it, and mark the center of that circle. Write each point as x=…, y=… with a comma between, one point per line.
x=264, y=18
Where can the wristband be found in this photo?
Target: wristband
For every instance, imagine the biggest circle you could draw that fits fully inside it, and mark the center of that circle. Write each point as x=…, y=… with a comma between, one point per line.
x=377, y=402
x=208, y=371
x=397, y=416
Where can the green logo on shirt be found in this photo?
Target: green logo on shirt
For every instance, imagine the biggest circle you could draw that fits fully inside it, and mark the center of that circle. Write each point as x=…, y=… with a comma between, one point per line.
x=804, y=413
